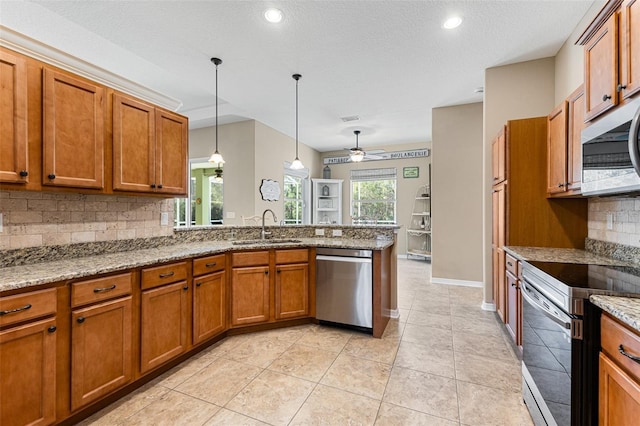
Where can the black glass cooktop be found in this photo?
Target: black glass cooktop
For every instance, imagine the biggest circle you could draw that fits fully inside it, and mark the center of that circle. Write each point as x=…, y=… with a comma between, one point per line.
x=598, y=277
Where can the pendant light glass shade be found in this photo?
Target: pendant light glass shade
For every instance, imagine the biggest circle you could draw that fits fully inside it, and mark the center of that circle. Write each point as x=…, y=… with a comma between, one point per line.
x=297, y=164
x=216, y=157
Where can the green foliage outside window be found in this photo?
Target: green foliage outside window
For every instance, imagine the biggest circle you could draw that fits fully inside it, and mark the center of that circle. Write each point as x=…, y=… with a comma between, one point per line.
x=373, y=200
x=293, y=202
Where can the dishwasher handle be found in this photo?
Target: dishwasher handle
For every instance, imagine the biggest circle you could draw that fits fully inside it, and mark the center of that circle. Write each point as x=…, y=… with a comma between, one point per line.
x=344, y=259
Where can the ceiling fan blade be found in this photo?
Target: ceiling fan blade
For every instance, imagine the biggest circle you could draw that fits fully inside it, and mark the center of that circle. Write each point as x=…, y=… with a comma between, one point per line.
x=372, y=156
x=376, y=151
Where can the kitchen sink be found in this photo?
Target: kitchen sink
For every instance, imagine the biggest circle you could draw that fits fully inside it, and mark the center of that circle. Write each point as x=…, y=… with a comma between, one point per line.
x=266, y=241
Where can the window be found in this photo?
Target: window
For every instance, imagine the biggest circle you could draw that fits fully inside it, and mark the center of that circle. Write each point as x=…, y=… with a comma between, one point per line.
x=296, y=196
x=206, y=197
x=373, y=196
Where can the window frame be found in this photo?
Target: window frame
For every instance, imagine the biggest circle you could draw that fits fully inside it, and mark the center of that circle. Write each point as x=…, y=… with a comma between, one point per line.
x=369, y=175
x=306, y=191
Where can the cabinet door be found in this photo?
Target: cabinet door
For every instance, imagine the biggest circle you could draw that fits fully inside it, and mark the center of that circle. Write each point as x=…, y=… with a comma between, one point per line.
x=601, y=67
x=499, y=216
x=512, y=308
x=209, y=302
x=292, y=291
x=28, y=370
x=498, y=155
x=557, y=149
x=630, y=48
x=250, y=295
x=101, y=357
x=619, y=396
x=171, y=153
x=574, y=149
x=13, y=118
x=164, y=324
x=73, y=142
x=134, y=139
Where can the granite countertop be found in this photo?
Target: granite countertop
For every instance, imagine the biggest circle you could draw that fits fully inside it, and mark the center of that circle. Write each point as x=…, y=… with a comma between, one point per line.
x=566, y=255
x=626, y=309
x=17, y=277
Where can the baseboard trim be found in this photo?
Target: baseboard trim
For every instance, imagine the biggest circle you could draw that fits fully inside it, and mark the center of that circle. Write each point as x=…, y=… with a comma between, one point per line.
x=402, y=256
x=394, y=313
x=463, y=283
x=488, y=306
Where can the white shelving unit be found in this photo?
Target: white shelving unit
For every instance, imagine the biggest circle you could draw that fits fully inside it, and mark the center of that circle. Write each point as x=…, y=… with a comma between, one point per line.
x=419, y=228
x=327, y=201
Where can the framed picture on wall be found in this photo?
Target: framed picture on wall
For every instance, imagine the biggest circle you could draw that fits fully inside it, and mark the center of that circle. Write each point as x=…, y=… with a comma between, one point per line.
x=410, y=172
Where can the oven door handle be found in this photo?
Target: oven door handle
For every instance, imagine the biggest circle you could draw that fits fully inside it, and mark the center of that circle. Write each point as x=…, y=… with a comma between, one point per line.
x=536, y=305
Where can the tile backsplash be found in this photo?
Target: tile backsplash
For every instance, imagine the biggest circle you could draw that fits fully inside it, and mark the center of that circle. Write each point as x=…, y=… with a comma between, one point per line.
x=32, y=219
x=623, y=216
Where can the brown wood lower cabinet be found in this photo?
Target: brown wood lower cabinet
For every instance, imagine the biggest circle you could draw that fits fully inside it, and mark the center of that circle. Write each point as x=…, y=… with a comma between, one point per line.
x=619, y=397
x=513, y=308
x=28, y=397
x=250, y=295
x=101, y=355
x=209, y=306
x=292, y=291
x=164, y=320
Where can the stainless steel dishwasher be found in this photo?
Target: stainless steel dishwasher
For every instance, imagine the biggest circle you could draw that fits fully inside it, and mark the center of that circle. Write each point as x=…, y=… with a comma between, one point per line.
x=344, y=287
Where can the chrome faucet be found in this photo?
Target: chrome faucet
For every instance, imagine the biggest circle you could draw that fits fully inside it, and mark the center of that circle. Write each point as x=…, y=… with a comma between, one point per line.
x=263, y=233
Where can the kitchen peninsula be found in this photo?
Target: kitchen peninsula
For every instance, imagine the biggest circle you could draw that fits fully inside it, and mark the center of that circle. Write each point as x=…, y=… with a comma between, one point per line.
x=144, y=310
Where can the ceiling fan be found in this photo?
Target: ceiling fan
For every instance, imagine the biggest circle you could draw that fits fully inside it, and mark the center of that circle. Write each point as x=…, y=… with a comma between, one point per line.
x=357, y=154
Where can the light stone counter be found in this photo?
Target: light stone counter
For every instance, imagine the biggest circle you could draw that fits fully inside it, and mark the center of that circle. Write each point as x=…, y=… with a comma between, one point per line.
x=16, y=277
x=566, y=255
x=626, y=309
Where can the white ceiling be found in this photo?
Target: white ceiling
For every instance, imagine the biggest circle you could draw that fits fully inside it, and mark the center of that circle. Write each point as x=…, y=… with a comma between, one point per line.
x=389, y=62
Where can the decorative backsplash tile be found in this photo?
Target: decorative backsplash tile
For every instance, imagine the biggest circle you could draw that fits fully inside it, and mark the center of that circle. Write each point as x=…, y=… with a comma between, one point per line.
x=624, y=214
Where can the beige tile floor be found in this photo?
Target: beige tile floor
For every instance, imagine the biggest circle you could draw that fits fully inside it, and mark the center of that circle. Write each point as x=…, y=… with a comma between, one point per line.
x=444, y=362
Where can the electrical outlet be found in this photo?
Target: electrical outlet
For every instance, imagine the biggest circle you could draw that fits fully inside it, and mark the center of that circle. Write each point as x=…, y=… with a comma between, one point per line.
x=320, y=232
x=609, y=221
x=164, y=219
x=231, y=215
x=336, y=232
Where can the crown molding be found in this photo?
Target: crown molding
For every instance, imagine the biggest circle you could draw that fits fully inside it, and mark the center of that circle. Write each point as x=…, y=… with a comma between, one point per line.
x=28, y=46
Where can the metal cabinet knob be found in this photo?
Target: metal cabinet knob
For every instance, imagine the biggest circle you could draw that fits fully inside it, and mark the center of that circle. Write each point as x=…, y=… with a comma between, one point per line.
x=52, y=329
x=24, y=173
x=621, y=87
x=80, y=320
x=51, y=176
x=606, y=97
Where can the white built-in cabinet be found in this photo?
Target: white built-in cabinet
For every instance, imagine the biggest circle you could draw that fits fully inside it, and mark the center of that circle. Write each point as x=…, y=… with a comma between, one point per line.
x=327, y=201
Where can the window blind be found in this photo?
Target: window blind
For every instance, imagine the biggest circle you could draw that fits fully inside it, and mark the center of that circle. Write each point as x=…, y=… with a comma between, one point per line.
x=373, y=174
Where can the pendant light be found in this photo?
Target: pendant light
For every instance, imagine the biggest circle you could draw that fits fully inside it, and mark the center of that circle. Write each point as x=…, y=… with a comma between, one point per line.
x=356, y=154
x=297, y=164
x=216, y=157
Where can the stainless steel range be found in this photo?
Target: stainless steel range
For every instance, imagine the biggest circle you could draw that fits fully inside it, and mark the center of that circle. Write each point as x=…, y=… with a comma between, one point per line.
x=561, y=337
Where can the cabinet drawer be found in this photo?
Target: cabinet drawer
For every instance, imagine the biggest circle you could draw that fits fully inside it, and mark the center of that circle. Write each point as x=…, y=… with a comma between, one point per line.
x=250, y=258
x=160, y=275
x=292, y=256
x=99, y=289
x=207, y=265
x=511, y=264
x=614, y=335
x=22, y=307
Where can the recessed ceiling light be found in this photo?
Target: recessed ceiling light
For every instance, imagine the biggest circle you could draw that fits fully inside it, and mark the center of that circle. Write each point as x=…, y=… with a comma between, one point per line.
x=273, y=15
x=452, y=22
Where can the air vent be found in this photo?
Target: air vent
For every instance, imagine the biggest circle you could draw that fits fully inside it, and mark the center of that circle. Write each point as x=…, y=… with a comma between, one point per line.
x=350, y=118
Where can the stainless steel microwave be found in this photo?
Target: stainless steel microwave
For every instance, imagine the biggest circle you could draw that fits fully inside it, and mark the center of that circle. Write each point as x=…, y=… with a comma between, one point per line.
x=611, y=152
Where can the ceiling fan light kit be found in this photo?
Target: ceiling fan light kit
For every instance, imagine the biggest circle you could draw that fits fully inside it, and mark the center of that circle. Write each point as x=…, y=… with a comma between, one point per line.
x=216, y=157
x=356, y=154
x=297, y=164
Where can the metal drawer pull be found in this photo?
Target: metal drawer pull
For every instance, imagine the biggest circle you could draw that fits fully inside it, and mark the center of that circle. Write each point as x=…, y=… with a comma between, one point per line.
x=211, y=264
x=628, y=355
x=169, y=274
x=509, y=263
x=13, y=311
x=102, y=290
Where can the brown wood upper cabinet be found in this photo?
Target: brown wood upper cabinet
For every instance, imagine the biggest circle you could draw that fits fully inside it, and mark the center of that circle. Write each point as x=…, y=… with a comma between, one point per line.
x=498, y=156
x=612, y=58
x=73, y=131
x=13, y=116
x=149, y=148
x=564, y=148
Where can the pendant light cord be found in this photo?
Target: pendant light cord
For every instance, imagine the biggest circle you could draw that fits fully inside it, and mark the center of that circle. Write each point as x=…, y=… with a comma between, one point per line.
x=216, y=108
x=297, y=80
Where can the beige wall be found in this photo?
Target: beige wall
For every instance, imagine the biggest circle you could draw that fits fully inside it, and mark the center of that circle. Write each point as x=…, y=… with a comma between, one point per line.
x=252, y=151
x=406, y=188
x=520, y=90
x=569, y=67
x=457, y=194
